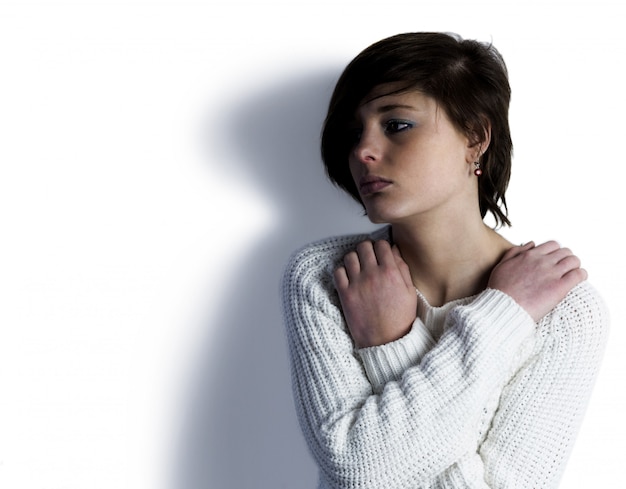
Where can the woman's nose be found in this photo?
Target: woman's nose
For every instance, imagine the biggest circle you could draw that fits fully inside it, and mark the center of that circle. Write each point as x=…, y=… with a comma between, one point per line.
x=368, y=148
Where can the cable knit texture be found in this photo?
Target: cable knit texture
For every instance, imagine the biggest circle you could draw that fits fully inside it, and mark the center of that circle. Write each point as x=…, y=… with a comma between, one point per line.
x=475, y=396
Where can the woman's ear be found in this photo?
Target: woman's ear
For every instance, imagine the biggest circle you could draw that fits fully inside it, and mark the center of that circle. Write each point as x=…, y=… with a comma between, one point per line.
x=479, y=141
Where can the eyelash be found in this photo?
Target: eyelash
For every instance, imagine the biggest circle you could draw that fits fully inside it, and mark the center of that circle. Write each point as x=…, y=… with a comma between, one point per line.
x=395, y=123
x=391, y=126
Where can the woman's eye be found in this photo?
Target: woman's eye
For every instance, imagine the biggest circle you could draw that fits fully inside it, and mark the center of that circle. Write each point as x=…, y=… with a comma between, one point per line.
x=397, y=126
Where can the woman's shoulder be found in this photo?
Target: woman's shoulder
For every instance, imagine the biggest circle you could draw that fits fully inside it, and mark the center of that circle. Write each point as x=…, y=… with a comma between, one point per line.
x=307, y=284
x=583, y=303
x=324, y=255
x=581, y=317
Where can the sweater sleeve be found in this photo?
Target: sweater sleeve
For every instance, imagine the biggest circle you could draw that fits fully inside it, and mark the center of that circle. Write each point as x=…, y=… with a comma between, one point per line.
x=388, y=362
x=417, y=426
x=540, y=410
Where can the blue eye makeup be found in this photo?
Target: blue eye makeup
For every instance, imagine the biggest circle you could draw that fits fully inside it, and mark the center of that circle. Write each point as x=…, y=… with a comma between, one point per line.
x=390, y=127
x=397, y=125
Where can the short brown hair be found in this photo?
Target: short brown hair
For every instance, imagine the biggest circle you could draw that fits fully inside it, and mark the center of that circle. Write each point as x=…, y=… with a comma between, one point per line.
x=467, y=78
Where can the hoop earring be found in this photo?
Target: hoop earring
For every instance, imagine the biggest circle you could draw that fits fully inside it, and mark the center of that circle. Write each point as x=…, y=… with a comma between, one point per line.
x=477, y=170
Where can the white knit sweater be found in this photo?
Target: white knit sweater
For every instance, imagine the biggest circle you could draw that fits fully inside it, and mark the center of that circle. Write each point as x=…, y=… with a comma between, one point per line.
x=475, y=396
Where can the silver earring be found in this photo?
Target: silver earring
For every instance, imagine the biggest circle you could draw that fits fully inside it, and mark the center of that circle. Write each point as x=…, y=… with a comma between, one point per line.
x=477, y=170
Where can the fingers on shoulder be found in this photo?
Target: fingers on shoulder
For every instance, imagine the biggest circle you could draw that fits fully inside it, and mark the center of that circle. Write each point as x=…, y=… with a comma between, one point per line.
x=564, y=258
x=340, y=276
x=567, y=261
x=384, y=253
x=389, y=257
x=353, y=262
x=371, y=253
x=573, y=277
x=548, y=247
x=516, y=250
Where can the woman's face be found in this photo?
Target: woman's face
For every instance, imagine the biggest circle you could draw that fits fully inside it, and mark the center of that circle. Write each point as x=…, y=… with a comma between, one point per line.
x=409, y=161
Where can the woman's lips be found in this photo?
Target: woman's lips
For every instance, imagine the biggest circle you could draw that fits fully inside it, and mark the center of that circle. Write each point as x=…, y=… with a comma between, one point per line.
x=371, y=184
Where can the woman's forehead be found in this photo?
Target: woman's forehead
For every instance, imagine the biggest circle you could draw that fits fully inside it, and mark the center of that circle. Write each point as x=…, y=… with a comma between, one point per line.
x=393, y=94
x=389, y=88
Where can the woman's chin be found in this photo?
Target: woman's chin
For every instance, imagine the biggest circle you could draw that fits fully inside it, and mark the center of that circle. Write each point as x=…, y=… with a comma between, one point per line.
x=378, y=217
x=384, y=214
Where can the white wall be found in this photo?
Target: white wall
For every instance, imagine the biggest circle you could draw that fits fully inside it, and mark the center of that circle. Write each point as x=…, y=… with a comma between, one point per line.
x=159, y=163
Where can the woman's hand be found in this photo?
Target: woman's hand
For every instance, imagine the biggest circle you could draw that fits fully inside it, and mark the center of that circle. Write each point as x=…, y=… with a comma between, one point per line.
x=377, y=294
x=537, y=277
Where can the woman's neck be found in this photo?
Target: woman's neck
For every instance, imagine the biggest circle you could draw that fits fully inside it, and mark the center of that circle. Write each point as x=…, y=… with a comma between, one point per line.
x=452, y=261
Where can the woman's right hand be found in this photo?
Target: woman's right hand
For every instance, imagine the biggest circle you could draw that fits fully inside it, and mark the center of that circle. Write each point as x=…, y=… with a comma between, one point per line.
x=377, y=294
x=537, y=277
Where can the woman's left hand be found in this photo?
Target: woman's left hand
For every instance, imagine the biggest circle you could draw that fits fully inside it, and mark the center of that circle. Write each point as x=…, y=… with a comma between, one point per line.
x=377, y=294
x=537, y=277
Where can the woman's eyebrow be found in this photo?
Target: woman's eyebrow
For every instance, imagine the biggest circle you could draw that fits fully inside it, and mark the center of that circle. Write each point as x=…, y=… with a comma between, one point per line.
x=390, y=107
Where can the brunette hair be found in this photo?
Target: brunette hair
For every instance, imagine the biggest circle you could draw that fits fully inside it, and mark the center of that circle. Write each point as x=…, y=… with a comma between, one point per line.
x=467, y=78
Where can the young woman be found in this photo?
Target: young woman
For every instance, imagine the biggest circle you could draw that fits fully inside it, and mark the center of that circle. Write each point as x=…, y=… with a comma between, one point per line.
x=434, y=353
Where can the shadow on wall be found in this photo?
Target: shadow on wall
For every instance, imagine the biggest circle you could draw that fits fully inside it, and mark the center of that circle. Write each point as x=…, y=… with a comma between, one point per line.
x=241, y=430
